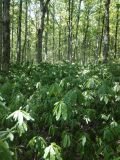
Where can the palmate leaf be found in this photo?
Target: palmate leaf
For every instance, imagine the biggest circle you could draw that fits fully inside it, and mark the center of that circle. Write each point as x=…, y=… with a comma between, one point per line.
x=6, y=135
x=60, y=111
x=52, y=152
x=66, y=139
x=20, y=117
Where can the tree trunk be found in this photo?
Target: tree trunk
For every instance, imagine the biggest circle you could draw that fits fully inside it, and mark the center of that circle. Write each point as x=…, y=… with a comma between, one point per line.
x=116, y=30
x=19, y=33
x=76, y=34
x=46, y=36
x=12, y=31
x=1, y=33
x=53, y=47
x=70, y=9
x=6, y=35
x=98, y=33
x=24, y=50
x=44, y=7
x=101, y=37
x=59, y=48
x=85, y=37
x=106, y=32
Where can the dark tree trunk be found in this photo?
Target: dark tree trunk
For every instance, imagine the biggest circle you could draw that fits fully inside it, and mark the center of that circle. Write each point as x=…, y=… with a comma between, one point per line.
x=12, y=31
x=106, y=32
x=101, y=37
x=70, y=9
x=76, y=34
x=46, y=36
x=85, y=37
x=116, y=30
x=24, y=50
x=59, y=48
x=19, y=33
x=44, y=7
x=6, y=35
x=1, y=33
x=98, y=36
x=53, y=47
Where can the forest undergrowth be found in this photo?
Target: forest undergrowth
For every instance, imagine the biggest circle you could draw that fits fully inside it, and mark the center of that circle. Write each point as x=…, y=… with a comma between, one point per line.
x=65, y=111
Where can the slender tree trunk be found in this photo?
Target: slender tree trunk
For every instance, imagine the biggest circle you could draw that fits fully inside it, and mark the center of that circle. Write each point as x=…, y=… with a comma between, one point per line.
x=70, y=9
x=101, y=37
x=44, y=7
x=76, y=34
x=106, y=32
x=65, y=42
x=28, y=58
x=6, y=35
x=85, y=37
x=116, y=30
x=24, y=50
x=1, y=7
x=12, y=31
x=19, y=33
x=53, y=47
x=40, y=37
x=98, y=33
x=46, y=36
x=59, y=48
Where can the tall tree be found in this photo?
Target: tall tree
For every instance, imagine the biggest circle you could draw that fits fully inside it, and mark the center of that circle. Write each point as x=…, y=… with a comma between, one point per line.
x=99, y=35
x=106, y=32
x=19, y=33
x=46, y=35
x=43, y=7
x=77, y=28
x=84, y=43
x=24, y=50
x=59, y=47
x=116, y=29
x=0, y=34
x=6, y=35
x=53, y=47
x=70, y=10
x=12, y=29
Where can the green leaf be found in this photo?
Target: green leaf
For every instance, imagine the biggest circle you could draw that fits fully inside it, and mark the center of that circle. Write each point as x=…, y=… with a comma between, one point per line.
x=4, y=151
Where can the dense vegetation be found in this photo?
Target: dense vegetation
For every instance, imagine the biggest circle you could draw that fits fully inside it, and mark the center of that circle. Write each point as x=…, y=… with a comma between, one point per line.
x=59, y=80
x=60, y=112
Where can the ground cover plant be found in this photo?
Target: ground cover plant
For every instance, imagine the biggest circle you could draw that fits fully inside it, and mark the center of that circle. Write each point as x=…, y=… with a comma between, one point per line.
x=56, y=112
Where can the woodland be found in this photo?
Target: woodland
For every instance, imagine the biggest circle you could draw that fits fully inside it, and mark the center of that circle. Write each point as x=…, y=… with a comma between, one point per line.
x=59, y=79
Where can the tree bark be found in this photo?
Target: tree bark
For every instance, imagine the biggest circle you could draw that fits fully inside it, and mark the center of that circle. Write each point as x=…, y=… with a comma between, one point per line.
x=1, y=7
x=6, y=35
x=53, y=47
x=70, y=9
x=59, y=48
x=106, y=32
x=12, y=31
x=24, y=50
x=116, y=30
x=44, y=7
x=98, y=36
x=101, y=37
x=76, y=34
x=19, y=33
x=46, y=36
x=85, y=37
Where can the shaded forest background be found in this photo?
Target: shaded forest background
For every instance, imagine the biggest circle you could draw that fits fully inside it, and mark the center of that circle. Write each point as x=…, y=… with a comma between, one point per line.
x=74, y=30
